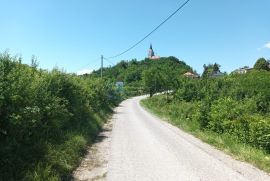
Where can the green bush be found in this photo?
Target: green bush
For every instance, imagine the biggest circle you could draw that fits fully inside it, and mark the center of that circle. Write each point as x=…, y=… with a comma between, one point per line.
x=46, y=118
x=237, y=105
x=260, y=132
x=226, y=111
x=202, y=114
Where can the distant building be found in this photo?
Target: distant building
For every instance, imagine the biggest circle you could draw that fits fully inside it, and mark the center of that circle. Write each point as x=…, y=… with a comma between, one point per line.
x=151, y=54
x=217, y=74
x=191, y=75
x=242, y=70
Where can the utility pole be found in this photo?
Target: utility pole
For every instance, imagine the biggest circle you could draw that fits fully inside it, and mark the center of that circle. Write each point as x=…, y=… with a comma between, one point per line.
x=101, y=70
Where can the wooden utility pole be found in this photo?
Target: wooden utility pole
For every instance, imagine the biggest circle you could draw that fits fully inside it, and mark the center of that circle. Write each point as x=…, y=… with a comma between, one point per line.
x=101, y=70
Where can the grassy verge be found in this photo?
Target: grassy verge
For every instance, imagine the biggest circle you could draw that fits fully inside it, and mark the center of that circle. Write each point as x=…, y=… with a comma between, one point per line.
x=60, y=159
x=225, y=142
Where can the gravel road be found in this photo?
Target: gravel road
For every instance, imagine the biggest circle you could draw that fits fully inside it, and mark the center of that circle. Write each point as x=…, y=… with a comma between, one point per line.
x=145, y=148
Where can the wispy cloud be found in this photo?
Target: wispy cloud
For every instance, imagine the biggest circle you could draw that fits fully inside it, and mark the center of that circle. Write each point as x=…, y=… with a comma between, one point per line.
x=267, y=45
x=84, y=71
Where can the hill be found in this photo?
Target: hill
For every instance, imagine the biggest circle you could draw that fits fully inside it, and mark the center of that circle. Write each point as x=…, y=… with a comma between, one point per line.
x=137, y=75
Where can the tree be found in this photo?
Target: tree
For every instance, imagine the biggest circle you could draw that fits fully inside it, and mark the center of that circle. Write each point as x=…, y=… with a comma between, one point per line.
x=261, y=64
x=153, y=80
x=210, y=69
x=216, y=67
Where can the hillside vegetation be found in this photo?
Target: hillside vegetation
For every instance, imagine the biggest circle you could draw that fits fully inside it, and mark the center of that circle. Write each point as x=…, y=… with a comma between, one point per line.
x=146, y=76
x=47, y=118
x=231, y=112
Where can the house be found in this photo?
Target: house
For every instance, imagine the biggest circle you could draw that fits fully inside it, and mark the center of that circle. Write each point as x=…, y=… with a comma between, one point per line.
x=217, y=74
x=242, y=70
x=191, y=75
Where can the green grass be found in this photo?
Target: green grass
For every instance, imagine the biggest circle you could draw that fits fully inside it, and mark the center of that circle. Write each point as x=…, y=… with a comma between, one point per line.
x=173, y=113
x=62, y=159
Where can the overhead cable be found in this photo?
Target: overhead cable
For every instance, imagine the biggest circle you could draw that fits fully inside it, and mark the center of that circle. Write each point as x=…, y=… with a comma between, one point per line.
x=155, y=29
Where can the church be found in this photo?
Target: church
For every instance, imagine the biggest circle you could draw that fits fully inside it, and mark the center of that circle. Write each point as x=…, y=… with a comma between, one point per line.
x=151, y=54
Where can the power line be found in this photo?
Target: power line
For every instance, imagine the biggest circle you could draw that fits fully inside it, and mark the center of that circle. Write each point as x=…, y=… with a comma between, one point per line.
x=88, y=64
x=117, y=55
x=108, y=61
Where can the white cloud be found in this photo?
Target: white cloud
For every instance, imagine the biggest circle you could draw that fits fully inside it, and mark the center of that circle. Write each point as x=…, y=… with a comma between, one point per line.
x=267, y=45
x=84, y=71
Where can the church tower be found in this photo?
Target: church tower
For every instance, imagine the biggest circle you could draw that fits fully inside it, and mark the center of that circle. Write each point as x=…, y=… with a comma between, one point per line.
x=151, y=52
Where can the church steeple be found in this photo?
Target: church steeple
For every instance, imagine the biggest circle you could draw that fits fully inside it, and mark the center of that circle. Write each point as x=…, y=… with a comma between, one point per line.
x=151, y=52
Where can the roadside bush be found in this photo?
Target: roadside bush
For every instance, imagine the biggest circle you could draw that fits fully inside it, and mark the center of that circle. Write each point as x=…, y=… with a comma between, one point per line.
x=231, y=112
x=226, y=111
x=237, y=105
x=46, y=119
x=201, y=115
x=188, y=91
x=260, y=132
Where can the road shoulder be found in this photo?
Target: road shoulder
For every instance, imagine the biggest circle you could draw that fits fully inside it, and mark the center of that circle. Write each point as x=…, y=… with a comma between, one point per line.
x=95, y=164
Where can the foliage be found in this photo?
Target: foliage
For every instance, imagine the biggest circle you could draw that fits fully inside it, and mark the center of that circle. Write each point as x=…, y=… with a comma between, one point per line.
x=153, y=80
x=47, y=118
x=247, y=137
x=146, y=76
x=261, y=64
x=210, y=69
x=237, y=105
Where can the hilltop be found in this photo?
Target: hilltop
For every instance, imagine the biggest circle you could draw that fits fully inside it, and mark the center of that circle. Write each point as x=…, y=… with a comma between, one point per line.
x=135, y=74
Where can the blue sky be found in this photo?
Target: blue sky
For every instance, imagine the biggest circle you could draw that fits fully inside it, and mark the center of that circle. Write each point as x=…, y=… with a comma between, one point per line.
x=73, y=34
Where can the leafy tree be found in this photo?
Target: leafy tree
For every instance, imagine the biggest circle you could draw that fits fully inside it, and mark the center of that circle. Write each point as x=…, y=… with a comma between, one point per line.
x=261, y=64
x=153, y=81
x=210, y=69
x=216, y=67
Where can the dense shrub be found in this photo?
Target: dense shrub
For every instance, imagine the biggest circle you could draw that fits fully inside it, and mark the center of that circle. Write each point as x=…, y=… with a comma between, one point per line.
x=202, y=114
x=260, y=131
x=46, y=119
x=237, y=105
x=225, y=111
